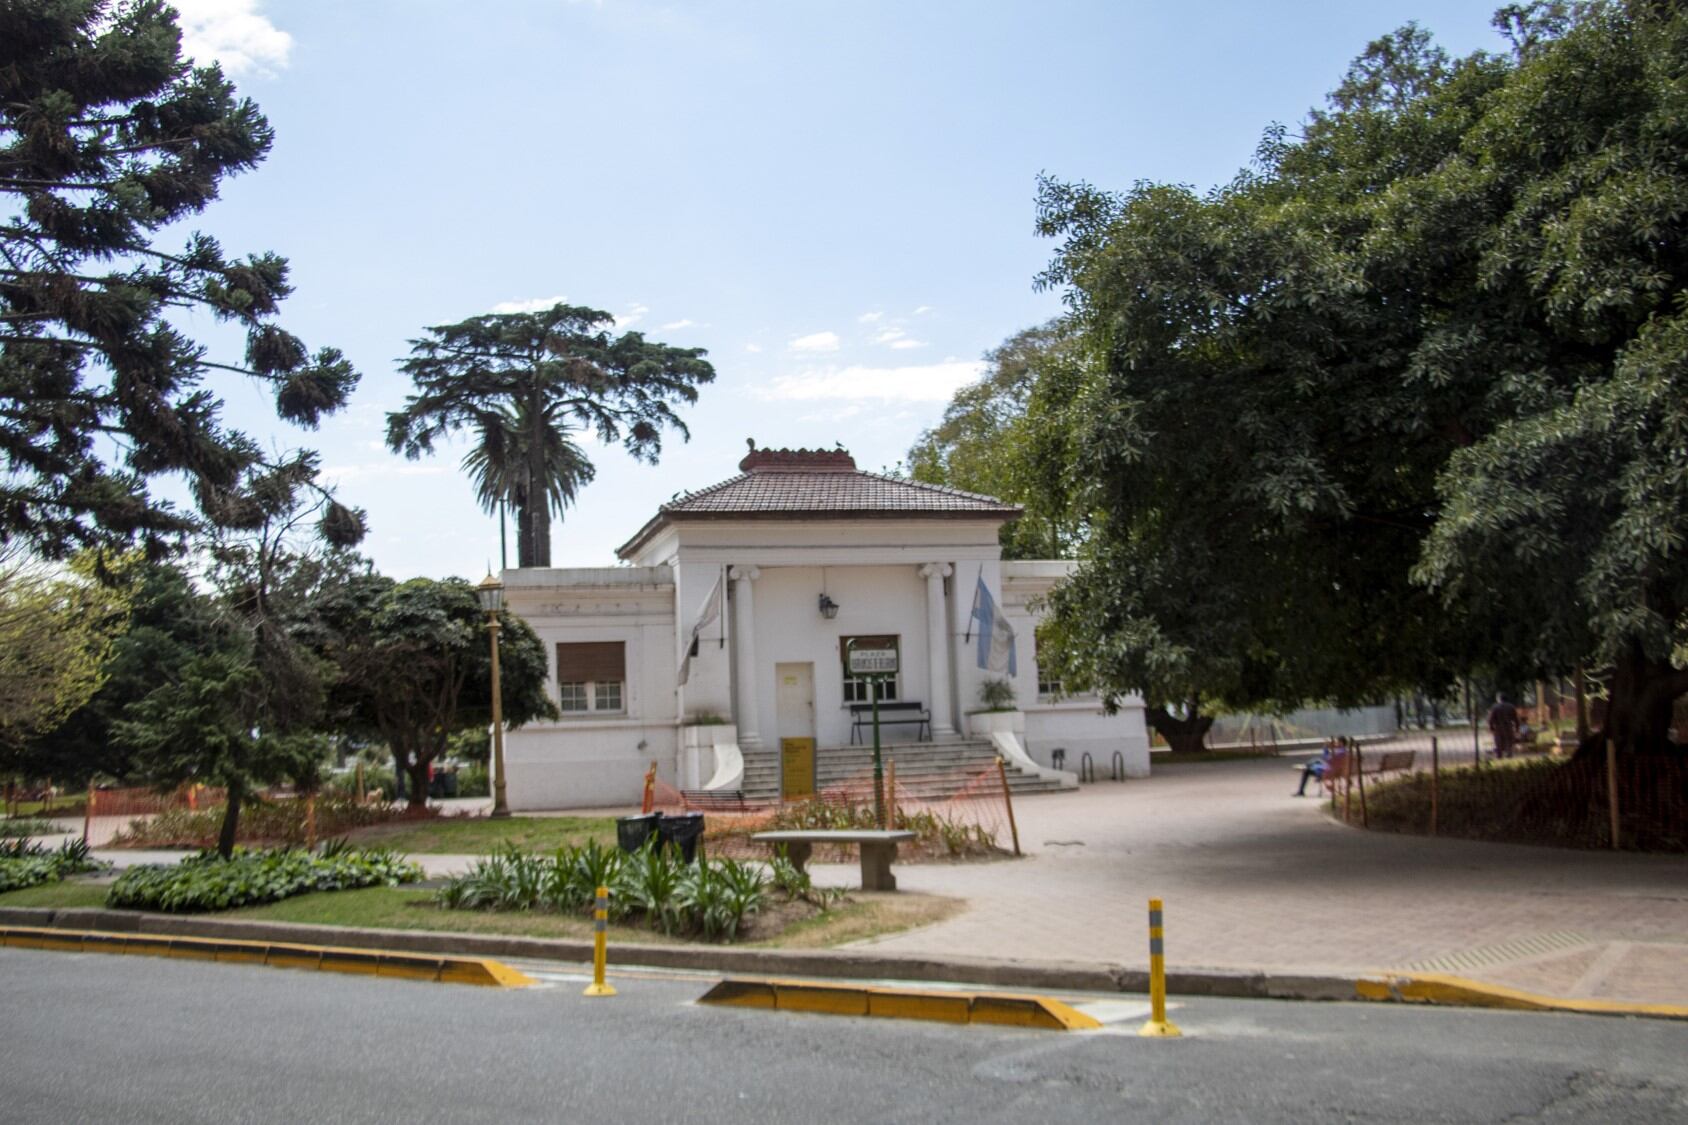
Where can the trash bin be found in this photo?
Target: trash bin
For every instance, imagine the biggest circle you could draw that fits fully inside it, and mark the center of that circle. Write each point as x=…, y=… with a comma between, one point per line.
x=684, y=832
x=631, y=832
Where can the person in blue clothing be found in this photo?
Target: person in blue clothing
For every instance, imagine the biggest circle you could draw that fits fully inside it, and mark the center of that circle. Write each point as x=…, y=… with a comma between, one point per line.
x=1317, y=767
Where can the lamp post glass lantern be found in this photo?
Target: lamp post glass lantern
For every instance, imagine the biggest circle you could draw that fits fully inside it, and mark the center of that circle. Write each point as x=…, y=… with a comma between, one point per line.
x=491, y=595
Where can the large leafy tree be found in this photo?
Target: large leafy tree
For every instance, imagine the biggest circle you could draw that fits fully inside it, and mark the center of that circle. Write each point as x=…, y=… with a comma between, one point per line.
x=57, y=630
x=983, y=442
x=1404, y=400
x=415, y=667
x=106, y=137
x=525, y=386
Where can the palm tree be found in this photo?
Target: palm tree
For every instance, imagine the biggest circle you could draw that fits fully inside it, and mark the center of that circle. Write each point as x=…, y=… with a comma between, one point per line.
x=526, y=384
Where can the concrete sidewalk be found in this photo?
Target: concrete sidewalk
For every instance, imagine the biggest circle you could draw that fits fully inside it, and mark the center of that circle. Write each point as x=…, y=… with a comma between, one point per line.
x=1255, y=879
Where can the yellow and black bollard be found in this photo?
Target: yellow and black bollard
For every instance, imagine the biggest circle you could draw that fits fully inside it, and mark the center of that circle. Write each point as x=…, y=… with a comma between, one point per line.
x=1158, y=1027
x=600, y=920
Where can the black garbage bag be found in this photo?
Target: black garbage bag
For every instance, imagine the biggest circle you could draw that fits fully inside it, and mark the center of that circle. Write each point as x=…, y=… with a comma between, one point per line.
x=683, y=831
x=631, y=832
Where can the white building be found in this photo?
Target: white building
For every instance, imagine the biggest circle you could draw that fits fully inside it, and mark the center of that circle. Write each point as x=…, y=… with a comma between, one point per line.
x=775, y=571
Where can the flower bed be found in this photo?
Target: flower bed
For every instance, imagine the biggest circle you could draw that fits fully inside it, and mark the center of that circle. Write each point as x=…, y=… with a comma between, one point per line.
x=268, y=822
x=23, y=864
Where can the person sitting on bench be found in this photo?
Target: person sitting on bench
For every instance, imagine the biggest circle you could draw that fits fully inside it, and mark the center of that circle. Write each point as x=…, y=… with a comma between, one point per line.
x=1317, y=767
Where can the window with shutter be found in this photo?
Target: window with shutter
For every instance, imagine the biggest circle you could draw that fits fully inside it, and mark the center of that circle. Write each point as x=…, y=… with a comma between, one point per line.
x=591, y=675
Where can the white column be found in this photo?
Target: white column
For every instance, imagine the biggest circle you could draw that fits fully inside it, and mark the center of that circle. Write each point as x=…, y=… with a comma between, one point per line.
x=744, y=632
x=937, y=647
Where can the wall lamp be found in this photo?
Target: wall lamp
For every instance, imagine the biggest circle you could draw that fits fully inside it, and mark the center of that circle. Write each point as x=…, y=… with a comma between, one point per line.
x=829, y=608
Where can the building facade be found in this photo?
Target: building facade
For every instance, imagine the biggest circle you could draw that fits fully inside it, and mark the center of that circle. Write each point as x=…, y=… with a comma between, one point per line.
x=718, y=650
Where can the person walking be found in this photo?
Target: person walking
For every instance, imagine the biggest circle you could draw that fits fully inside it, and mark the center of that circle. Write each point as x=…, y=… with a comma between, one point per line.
x=1503, y=725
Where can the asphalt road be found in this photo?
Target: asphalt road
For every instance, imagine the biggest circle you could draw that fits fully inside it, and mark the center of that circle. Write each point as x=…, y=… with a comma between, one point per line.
x=89, y=1037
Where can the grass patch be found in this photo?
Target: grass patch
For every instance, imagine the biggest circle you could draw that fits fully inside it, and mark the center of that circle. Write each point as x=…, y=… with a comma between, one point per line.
x=57, y=895
x=401, y=908
x=67, y=804
x=481, y=835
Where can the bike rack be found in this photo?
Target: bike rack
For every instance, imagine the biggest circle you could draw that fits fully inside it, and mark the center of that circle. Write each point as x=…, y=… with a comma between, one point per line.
x=1086, y=768
x=1118, y=767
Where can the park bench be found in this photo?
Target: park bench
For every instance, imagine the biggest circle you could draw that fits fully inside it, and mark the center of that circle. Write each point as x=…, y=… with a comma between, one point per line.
x=1387, y=761
x=714, y=800
x=878, y=850
x=900, y=713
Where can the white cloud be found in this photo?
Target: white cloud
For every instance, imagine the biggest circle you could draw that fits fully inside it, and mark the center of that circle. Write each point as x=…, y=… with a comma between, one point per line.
x=905, y=344
x=935, y=382
x=232, y=33
x=753, y=347
x=634, y=314
x=816, y=342
x=923, y=310
x=673, y=324
x=536, y=304
x=869, y=317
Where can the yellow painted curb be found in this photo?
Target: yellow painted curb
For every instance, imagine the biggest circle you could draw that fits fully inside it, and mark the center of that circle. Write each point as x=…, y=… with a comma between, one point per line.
x=1440, y=988
x=901, y=1003
x=280, y=955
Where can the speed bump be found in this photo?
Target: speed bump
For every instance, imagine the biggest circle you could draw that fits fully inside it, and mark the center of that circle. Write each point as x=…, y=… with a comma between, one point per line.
x=280, y=955
x=1008, y=1009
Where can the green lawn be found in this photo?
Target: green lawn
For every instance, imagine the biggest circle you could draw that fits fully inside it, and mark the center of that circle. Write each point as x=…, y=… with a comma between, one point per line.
x=452, y=835
x=68, y=893
x=402, y=908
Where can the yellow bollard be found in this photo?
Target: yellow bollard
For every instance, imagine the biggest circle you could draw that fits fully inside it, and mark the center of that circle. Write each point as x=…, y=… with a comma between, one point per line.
x=1158, y=1027
x=600, y=920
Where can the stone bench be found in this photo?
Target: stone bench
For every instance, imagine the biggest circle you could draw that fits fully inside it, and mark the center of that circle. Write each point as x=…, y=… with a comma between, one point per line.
x=878, y=849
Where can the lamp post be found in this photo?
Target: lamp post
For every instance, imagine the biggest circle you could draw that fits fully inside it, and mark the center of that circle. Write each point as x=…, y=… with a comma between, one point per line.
x=491, y=593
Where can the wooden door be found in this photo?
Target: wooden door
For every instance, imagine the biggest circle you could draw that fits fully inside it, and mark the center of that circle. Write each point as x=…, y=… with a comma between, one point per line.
x=794, y=710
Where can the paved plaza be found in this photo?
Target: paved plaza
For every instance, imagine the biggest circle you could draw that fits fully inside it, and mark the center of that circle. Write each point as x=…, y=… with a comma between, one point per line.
x=1256, y=879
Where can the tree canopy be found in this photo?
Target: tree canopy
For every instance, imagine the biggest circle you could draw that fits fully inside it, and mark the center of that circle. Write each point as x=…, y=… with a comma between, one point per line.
x=415, y=667
x=984, y=441
x=526, y=385
x=1407, y=398
x=107, y=137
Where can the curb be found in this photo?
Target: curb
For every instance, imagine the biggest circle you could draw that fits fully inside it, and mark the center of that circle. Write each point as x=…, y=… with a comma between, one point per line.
x=1037, y=976
x=280, y=955
x=901, y=1003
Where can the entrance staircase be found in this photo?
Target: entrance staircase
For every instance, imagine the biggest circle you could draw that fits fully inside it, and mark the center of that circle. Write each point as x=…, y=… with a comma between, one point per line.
x=924, y=769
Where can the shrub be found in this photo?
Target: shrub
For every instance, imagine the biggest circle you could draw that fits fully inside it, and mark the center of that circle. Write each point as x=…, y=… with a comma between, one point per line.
x=653, y=884
x=26, y=826
x=23, y=864
x=279, y=822
x=209, y=882
x=997, y=695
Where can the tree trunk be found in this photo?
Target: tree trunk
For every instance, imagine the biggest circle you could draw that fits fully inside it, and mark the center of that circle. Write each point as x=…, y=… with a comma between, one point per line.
x=1186, y=735
x=533, y=531
x=231, y=819
x=1640, y=698
x=418, y=785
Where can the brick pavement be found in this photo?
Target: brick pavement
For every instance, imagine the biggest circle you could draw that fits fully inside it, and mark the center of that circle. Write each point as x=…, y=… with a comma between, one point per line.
x=1254, y=878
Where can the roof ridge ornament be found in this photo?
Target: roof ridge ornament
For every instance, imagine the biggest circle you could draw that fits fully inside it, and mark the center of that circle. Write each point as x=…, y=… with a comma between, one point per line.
x=798, y=461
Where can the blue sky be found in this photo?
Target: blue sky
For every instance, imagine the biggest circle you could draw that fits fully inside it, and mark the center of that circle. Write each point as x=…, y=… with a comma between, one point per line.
x=835, y=199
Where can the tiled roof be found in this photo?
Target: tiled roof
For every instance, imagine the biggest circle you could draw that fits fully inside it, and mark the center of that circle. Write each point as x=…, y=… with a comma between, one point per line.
x=820, y=485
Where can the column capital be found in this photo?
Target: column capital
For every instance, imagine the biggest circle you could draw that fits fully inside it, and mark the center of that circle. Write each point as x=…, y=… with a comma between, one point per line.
x=936, y=570
x=745, y=573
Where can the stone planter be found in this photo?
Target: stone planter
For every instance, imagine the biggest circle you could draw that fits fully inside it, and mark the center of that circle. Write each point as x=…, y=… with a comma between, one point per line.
x=983, y=724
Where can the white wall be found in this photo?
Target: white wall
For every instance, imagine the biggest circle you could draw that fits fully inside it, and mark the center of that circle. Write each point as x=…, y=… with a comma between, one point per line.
x=595, y=759
x=790, y=629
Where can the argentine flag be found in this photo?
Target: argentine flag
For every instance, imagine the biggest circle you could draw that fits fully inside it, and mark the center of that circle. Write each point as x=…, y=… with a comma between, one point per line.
x=996, y=636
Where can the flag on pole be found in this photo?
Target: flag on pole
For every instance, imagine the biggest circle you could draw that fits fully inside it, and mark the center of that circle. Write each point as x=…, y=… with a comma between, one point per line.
x=710, y=612
x=996, y=636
